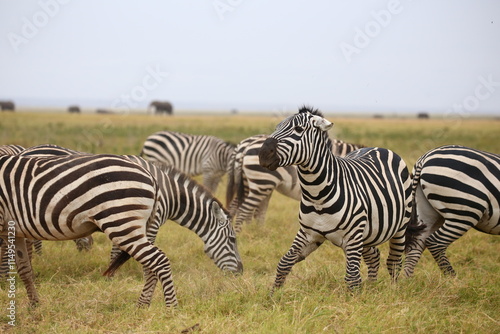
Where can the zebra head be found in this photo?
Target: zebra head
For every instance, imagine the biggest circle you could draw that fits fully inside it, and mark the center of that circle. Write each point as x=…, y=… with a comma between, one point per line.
x=295, y=139
x=220, y=245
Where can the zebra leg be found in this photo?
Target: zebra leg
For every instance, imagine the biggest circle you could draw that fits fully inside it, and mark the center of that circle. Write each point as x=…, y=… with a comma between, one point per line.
x=38, y=247
x=248, y=207
x=303, y=245
x=426, y=217
x=25, y=270
x=260, y=212
x=84, y=243
x=439, y=241
x=29, y=247
x=4, y=265
x=396, y=249
x=148, y=289
x=353, y=251
x=371, y=256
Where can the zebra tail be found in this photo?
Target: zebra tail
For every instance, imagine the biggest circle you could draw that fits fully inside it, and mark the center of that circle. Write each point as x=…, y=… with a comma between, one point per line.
x=118, y=261
x=414, y=229
x=230, y=184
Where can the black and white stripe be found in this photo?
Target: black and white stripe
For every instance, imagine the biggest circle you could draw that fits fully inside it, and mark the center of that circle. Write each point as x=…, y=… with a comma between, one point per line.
x=250, y=185
x=191, y=205
x=192, y=154
x=356, y=202
x=11, y=149
x=455, y=188
x=182, y=200
x=69, y=197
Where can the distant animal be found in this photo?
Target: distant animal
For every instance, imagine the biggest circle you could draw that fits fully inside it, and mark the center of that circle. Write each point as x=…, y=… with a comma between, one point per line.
x=192, y=154
x=7, y=106
x=454, y=189
x=161, y=107
x=103, y=111
x=74, y=109
x=357, y=202
x=250, y=185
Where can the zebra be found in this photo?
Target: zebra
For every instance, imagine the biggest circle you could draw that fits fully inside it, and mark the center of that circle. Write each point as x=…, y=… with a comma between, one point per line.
x=454, y=189
x=250, y=185
x=11, y=149
x=182, y=200
x=356, y=202
x=82, y=244
x=31, y=244
x=191, y=154
x=68, y=197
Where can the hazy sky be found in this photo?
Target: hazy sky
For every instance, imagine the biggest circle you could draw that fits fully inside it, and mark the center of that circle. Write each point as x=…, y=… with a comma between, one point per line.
x=387, y=56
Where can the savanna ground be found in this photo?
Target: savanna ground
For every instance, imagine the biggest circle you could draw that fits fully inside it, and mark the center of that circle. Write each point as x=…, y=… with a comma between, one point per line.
x=76, y=298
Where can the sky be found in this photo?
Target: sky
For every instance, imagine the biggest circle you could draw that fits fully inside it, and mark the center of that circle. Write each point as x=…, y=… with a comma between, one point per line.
x=396, y=56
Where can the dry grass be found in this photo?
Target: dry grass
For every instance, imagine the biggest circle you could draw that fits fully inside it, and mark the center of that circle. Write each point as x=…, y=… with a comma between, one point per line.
x=76, y=298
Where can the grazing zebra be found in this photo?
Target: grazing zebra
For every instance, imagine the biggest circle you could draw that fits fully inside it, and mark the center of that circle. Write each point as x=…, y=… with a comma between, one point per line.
x=191, y=154
x=356, y=202
x=184, y=201
x=69, y=197
x=191, y=205
x=455, y=188
x=250, y=185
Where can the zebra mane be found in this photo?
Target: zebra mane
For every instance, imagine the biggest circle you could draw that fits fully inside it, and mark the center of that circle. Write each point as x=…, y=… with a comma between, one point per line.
x=311, y=110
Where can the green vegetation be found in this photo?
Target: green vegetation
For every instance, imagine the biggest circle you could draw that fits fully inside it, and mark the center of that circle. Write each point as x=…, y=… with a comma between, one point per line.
x=76, y=298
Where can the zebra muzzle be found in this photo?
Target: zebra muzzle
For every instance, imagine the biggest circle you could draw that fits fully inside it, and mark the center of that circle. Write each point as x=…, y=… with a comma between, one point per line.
x=268, y=156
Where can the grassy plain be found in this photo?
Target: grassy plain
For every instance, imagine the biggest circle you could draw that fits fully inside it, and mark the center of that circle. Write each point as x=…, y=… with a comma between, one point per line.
x=76, y=298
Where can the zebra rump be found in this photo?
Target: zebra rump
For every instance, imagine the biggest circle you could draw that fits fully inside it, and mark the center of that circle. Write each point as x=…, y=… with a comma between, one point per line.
x=454, y=189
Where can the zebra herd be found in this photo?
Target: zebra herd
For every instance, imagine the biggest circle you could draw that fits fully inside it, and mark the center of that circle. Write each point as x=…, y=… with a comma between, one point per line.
x=353, y=196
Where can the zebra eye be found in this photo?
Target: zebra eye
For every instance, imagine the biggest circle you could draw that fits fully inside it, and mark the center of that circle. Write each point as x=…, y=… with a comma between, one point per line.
x=299, y=129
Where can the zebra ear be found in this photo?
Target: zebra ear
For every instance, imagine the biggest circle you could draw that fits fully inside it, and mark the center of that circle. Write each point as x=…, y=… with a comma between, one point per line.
x=217, y=211
x=321, y=123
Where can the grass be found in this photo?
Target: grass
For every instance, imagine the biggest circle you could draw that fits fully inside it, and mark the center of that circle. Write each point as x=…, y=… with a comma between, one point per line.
x=76, y=298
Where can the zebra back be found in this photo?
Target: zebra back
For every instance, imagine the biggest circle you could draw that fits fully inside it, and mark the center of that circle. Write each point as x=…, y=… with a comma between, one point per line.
x=11, y=149
x=191, y=154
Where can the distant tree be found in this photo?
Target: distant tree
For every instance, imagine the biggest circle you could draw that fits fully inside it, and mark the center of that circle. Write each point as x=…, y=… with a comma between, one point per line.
x=162, y=107
x=7, y=105
x=74, y=109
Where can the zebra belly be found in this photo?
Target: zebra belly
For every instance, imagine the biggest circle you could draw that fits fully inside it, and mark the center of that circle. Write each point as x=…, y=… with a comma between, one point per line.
x=338, y=232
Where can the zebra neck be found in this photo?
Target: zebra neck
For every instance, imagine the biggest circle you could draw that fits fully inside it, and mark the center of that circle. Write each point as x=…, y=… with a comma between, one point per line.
x=319, y=173
x=193, y=212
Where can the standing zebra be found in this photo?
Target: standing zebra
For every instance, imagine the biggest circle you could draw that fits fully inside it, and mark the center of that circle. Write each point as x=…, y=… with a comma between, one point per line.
x=68, y=197
x=250, y=185
x=191, y=154
x=182, y=200
x=356, y=202
x=455, y=188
